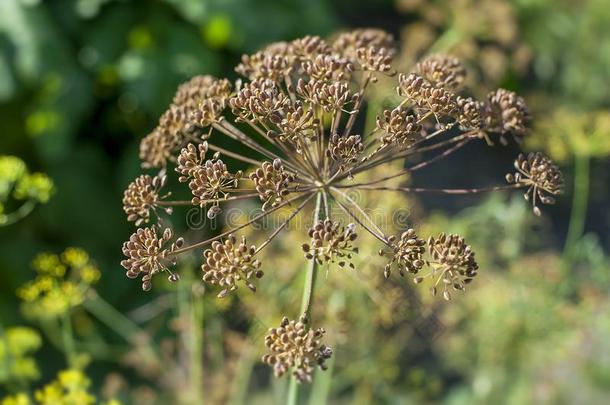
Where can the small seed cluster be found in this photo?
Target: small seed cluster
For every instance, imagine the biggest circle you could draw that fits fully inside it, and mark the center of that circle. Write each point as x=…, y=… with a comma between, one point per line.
x=271, y=182
x=331, y=242
x=540, y=175
x=294, y=345
x=453, y=264
x=406, y=253
x=149, y=253
x=142, y=196
x=228, y=263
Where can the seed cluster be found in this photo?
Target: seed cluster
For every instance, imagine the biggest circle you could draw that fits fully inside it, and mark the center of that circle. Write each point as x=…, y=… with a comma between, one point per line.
x=505, y=112
x=331, y=242
x=345, y=150
x=540, y=175
x=295, y=345
x=426, y=96
x=454, y=264
x=406, y=253
x=228, y=263
x=141, y=196
x=271, y=182
x=149, y=253
x=400, y=128
x=442, y=70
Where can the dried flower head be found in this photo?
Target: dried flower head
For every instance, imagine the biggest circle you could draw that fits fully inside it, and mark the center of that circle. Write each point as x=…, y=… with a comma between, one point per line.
x=345, y=150
x=453, y=264
x=400, y=128
x=405, y=253
x=271, y=182
x=506, y=113
x=228, y=263
x=442, y=70
x=142, y=196
x=348, y=43
x=331, y=242
x=212, y=182
x=426, y=96
x=295, y=116
x=149, y=253
x=540, y=175
x=294, y=345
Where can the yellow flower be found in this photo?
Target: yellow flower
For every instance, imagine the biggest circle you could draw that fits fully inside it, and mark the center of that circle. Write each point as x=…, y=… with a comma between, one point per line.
x=16, y=346
x=20, y=398
x=70, y=388
x=61, y=284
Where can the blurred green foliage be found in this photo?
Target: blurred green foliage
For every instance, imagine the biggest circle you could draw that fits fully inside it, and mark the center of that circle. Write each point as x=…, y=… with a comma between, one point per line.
x=81, y=81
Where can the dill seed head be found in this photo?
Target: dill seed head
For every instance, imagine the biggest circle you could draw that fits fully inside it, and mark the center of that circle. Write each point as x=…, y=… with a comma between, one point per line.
x=228, y=263
x=258, y=99
x=454, y=264
x=375, y=59
x=506, y=113
x=331, y=242
x=469, y=113
x=264, y=65
x=426, y=96
x=331, y=97
x=141, y=196
x=442, y=70
x=149, y=253
x=540, y=175
x=190, y=160
x=399, y=127
x=271, y=182
x=212, y=181
x=309, y=47
x=345, y=150
x=327, y=67
x=156, y=148
x=295, y=345
x=348, y=43
x=294, y=124
x=406, y=253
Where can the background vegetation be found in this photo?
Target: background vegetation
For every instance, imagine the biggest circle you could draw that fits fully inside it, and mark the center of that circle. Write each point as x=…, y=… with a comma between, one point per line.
x=81, y=81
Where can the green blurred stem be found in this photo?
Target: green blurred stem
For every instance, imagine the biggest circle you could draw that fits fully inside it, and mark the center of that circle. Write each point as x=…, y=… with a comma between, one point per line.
x=306, y=303
x=117, y=322
x=196, y=348
x=580, y=199
x=321, y=385
x=18, y=214
x=67, y=337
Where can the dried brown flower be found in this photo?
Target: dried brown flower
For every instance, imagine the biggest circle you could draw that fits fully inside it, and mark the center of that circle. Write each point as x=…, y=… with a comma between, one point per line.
x=454, y=264
x=228, y=263
x=142, y=196
x=296, y=345
x=264, y=65
x=258, y=100
x=148, y=254
x=331, y=97
x=212, y=181
x=345, y=150
x=271, y=182
x=375, y=59
x=400, y=128
x=426, y=96
x=470, y=113
x=442, y=70
x=506, y=113
x=540, y=175
x=406, y=253
x=348, y=43
x=190, y=160
x=331, y=242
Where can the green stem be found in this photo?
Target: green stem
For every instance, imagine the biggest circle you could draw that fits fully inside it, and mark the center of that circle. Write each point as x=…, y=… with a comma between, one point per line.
x=580, y=199
x=196, y=348
x=18, y=214
x=67, y=337
x=306, y=303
